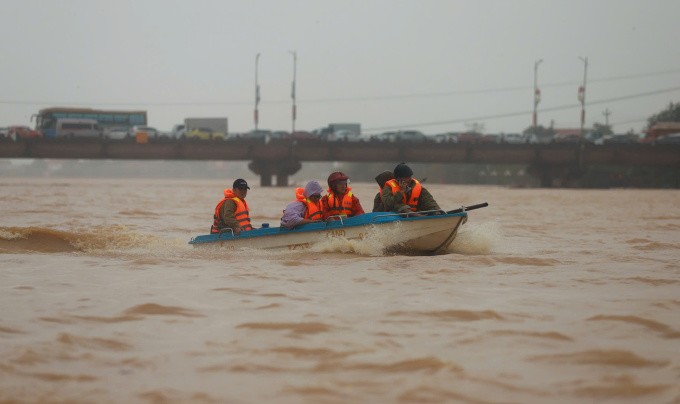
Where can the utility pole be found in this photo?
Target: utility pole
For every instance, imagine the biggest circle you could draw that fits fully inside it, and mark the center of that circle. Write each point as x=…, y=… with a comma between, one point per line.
x=292, y=92
x=537, y=92
x=257, y=92
x=582, y=93
x=606, y=114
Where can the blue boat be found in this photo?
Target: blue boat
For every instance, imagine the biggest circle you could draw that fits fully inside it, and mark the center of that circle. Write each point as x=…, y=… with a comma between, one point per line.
x=428, y=232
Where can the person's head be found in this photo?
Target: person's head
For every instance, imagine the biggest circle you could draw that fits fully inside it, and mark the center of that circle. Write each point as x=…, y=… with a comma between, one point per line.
x=383, y=177
x=313, y=191
x=240, y=188
x=403, y=174
x=337, y=182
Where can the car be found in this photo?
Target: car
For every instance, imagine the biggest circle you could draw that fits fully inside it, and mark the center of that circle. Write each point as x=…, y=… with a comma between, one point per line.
x=412, y=136
x=673, y=138
x=543, y=138
x=345, y=135
x=402, y=136
x=448, y=137
x=490, y=138
x=620, y=138
x=19, y=132
x=514, y=138
x=204, y=134
x=117, y=133
x=4, y=133
x=279, y=134
x=148, y=130
x=567, y=138
x=594, y=137
x=469, y=137
x=178, y=131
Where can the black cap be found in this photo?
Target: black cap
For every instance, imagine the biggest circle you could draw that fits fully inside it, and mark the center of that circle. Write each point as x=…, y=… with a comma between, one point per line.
x=402, y=171
x=241, y=184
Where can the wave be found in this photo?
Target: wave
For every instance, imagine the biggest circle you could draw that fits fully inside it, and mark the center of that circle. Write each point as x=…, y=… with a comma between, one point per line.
x=36, y=239
x=98, y=240
x=650, y=245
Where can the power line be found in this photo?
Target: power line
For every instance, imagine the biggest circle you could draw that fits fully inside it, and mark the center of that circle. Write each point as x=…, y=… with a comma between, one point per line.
x=526, y=112
x=342, y=99
x=493, y=90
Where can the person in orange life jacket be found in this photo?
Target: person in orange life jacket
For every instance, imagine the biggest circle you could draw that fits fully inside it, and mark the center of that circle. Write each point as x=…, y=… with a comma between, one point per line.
x=306, y=208
x=381, y=179
x=406, y=194
x=232, y=211
x=340, y=200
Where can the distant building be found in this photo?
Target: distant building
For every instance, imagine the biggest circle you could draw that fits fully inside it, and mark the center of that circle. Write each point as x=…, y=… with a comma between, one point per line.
x=661, y=129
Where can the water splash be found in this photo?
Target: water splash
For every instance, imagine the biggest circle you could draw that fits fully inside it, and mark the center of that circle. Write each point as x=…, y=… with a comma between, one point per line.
x=478, y=239
x=373, y=245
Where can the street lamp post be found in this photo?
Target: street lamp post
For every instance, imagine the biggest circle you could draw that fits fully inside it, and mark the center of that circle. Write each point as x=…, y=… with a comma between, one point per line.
x=292, y=91
x=256, y=116
x=537, y=92
x=582, y=93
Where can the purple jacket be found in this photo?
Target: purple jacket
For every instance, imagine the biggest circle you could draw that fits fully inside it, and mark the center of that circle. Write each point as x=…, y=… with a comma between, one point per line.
x=293, y=214
x=295, y=211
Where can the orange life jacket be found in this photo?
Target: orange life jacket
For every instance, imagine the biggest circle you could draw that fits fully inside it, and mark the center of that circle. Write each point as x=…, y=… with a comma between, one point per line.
x=344, y=207
x=241, y=214
x=313, y=211
x=415, y=193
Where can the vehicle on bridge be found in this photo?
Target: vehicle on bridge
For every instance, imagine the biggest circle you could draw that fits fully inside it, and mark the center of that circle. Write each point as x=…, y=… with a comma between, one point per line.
x=46, y=119
x=339, y=131
x=143, y=130
x=620, y=138
x=78, y=128
x=18, y=132
x=448, y=137
x=513, y=138
x=178, y=131
x=673, y=138
x=213, y=125
x=402, y=136
x=470, y=137
x=490, y=138
x=204, y=134
x=117, y=133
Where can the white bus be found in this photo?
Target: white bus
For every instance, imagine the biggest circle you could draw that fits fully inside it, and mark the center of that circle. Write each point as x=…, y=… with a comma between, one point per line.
x=73, y=128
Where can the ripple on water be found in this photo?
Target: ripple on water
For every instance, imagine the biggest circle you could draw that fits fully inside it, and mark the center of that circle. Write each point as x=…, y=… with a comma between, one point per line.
x=160, y=310
x=612, y=357
x=663, y=329
x=93, y=342
x=534, y=334
x=624, y=386
x=294, y=328
x=453, y=315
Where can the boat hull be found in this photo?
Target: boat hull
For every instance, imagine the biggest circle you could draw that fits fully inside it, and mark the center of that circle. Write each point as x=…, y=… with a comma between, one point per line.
x=418, y=235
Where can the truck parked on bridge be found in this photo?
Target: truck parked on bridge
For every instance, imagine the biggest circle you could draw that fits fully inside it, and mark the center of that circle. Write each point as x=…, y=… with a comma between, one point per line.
x=216, y=125
x=339, y=131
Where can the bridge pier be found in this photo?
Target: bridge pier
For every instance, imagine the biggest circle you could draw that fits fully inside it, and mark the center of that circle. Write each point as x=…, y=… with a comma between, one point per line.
x=281, y=169
x=550, y=175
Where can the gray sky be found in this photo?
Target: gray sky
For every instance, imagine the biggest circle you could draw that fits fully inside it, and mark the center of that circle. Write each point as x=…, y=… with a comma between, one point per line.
x=433, y=65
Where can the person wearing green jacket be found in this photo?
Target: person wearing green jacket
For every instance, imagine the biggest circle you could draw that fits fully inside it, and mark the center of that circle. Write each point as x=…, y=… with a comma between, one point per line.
x=405, y=194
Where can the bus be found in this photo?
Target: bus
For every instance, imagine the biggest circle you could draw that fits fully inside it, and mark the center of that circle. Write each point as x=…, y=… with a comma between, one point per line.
x=46, y=119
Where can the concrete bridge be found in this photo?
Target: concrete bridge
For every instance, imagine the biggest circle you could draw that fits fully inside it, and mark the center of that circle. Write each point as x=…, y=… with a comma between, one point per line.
x=556, y=163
